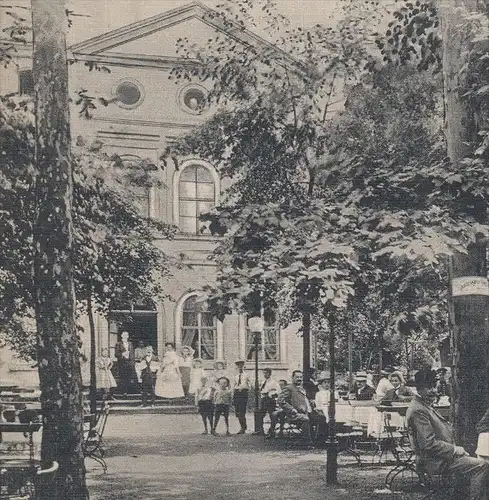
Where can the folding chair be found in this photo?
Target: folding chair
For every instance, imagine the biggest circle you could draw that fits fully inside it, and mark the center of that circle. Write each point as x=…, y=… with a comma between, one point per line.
x=93, y=442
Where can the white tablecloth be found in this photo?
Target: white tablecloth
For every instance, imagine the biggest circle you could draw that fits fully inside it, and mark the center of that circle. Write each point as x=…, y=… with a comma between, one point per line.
x=367, y=416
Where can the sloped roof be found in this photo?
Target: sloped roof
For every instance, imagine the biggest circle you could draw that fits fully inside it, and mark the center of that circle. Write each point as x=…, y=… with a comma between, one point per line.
x=194, y=10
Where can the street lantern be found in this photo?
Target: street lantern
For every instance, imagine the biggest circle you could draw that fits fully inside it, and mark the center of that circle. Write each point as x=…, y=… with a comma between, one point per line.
x=256, y=326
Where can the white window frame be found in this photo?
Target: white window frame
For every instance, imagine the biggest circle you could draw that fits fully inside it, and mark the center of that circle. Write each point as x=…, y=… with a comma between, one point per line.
x=278, y=341
x=176, y=187
x=179, y=324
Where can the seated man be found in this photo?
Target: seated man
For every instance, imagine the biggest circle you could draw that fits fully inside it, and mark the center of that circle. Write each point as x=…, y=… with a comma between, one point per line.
x=360, y=390
x=268, y=393
x=433, y=441
x=278, y=414
x=296, y=406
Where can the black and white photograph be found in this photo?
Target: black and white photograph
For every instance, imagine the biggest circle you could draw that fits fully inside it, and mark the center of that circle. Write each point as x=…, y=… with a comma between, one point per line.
x=243, y=249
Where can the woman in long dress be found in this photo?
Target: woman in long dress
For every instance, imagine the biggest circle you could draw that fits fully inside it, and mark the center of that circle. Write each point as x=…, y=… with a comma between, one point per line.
x=169, y=381
x=185, y=363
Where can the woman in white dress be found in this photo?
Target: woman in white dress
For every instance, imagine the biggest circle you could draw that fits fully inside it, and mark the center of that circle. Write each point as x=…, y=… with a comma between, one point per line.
x=169, y=381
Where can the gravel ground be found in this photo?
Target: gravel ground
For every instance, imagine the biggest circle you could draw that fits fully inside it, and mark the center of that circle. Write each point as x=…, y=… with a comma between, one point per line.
x=158, y=457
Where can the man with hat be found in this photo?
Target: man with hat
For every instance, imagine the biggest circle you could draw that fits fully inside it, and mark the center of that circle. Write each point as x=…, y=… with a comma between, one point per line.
x=384, y=384
x=360, y=389
x=241, y=391
x=433, y=439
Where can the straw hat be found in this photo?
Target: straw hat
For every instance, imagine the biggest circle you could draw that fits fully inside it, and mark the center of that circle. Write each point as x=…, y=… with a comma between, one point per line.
x=323, y=376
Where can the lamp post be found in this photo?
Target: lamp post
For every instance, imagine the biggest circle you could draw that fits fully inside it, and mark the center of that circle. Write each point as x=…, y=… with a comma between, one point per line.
x=332, y=443
x=255, y=324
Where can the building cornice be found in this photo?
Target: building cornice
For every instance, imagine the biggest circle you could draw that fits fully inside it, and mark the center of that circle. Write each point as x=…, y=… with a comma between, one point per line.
x=134, y=60
x=144, y=123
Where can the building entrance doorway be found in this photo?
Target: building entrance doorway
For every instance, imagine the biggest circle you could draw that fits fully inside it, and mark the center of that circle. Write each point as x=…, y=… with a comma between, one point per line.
x=140, y=321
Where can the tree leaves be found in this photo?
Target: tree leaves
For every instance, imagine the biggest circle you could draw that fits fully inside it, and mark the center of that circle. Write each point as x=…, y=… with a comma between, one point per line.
x=114, y=249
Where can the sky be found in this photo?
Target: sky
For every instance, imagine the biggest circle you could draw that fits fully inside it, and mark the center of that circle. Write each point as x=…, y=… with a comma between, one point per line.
x=96, y=17
x=106, y=15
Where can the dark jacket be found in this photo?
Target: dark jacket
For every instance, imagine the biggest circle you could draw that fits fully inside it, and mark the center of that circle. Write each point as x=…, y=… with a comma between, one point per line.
x=402, y=393
x=293, y=398
x=119, y=349
x=431, y=435
x=366, y=393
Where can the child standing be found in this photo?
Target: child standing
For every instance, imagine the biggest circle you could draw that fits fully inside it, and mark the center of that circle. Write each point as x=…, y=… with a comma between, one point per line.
x=196, y=375
x=147, y=370
x=223, y=399
x=205, y=403
x=105, y=379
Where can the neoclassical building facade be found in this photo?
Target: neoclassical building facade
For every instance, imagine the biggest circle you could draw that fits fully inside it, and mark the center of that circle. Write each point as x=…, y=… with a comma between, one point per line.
x=147, y=110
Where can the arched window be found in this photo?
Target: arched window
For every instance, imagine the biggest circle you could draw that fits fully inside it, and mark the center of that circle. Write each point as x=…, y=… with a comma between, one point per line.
x=199, y=328
x=269, y=341
x=197, y=195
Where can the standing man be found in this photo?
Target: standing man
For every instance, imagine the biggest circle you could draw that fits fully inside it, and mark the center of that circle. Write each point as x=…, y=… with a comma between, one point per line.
x=242, y=386
x=296, y=406
x=434, y=443
x=124, y=352
x=269, y=390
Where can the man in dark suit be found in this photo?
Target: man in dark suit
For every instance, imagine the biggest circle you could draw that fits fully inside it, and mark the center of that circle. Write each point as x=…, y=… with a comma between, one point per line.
x=361, y=390
x=124, y=352
x=296, y=406
x=433, y=440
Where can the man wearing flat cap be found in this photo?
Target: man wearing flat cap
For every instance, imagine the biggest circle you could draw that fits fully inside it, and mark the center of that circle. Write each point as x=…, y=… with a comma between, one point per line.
x=433, y=439
x=241, y=391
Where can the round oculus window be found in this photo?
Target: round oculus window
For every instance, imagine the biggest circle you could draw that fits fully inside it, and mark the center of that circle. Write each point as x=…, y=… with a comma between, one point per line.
x=128, y=94
x=194, y=99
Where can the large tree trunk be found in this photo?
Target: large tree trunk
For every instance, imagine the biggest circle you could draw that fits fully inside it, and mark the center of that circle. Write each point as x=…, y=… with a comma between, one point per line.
x=470, y=339
x=58, y=356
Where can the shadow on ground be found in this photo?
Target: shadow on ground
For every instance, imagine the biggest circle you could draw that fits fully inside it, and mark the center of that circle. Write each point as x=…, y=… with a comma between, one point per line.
x=167, y=458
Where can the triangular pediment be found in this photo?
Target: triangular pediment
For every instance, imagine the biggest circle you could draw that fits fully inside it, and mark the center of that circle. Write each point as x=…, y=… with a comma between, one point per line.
x=162, y=43
x=157, y=36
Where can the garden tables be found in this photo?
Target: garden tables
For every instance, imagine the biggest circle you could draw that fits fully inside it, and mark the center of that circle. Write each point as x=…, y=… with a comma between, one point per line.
x=16, y=471
x=29, y=429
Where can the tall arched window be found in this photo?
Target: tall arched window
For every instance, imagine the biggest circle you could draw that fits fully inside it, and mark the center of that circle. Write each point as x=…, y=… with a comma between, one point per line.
x=199, y=328
x=197, y=195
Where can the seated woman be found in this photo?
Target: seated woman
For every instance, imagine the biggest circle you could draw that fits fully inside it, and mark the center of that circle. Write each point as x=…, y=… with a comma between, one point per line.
x=399, y=392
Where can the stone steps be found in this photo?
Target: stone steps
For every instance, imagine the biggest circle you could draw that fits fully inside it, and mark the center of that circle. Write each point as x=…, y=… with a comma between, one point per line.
x=157, y=409
x=131, y=403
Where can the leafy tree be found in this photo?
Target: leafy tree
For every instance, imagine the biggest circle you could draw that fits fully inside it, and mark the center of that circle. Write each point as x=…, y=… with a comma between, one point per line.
x=269, y=135
x=463, y=179
x=115, y=254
